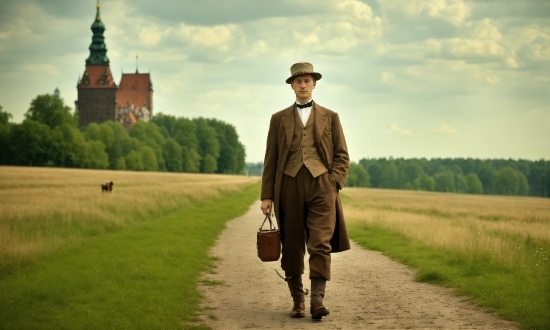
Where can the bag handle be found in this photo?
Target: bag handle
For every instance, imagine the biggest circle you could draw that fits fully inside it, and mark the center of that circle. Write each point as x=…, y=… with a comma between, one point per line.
x=271, y=225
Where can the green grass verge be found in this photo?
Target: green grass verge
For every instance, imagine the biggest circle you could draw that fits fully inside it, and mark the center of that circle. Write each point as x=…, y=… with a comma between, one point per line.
x=513, y=294
x=142, y=277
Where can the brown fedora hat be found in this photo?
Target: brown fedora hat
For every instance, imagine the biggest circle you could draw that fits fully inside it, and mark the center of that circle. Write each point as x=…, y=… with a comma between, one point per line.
x=302, y=68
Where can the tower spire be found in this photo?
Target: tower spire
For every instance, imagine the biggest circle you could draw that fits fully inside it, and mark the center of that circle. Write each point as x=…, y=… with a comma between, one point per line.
x=98, y=50
x=97, y=16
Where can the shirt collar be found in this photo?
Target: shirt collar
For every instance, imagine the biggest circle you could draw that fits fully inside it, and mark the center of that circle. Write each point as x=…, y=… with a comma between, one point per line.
x=304, y=103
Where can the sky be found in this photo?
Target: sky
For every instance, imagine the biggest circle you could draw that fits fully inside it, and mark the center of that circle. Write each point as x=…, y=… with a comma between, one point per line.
x=408, y=78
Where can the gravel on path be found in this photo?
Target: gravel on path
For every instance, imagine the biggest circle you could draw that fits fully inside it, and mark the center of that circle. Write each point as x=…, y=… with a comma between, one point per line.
x=367, y=291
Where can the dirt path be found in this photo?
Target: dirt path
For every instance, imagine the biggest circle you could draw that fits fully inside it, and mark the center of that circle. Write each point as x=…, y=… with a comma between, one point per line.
x=368, y=291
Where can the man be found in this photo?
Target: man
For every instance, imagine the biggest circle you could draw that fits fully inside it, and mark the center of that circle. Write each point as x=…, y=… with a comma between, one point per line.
x=306, y=164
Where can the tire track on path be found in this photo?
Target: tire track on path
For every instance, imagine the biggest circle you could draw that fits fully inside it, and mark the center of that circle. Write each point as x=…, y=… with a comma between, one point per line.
x=368, y=291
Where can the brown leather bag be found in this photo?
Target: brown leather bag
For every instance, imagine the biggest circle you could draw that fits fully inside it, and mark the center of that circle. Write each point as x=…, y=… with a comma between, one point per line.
x=268, y=242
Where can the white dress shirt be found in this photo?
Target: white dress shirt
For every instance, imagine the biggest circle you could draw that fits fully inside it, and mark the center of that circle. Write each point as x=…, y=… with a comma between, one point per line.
x=304, y=113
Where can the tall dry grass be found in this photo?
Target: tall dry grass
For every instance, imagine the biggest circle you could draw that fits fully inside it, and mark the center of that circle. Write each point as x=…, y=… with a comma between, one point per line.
x=511, y=231
x=42, y=209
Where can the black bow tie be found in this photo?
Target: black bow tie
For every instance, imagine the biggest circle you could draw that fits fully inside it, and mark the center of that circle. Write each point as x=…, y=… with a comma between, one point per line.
x=307, y=105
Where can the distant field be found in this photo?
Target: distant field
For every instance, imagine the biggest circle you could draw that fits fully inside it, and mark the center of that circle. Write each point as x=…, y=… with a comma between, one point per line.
x=43, y=209
x=494, y=249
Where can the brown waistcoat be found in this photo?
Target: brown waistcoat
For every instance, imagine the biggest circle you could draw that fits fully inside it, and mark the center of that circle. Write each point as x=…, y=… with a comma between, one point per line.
x=304, y=149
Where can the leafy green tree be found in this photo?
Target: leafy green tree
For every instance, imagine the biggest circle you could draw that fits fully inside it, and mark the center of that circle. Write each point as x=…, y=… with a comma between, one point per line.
x=416, y=184
x=445, y=181
x=409, y=173
x=92, y=133
x=191, y=160
x=149, y=159
x=357, y=176
x=74, y=147
x=538, y=179
x=510, y=181
x=5, y=129
x=166, y=123
x=122, y=143
x=456, y=169
x=389, y=177
x=32, y=143
x=134, y=161
x=474, y=185
x=97, y=157
x=121, y=164
x=50, y=110
x=173, y=155
x=100, y=132
x=375, y=171
x=427, y=183
x=209, y=147
x=5, y=117
x=523, y=185
x=185, y=133
x=461, y=184
x=149, y=135
x=231, y=158
x=487, y=175
x=507, y=181
x=365, y=163
x=208, y=164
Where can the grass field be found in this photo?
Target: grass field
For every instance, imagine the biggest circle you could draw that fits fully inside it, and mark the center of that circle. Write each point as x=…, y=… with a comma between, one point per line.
x=493, y=249
x=74, y=258
x=43, y=209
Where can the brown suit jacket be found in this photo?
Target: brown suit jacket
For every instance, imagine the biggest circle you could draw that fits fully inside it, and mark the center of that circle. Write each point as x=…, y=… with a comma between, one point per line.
x=331, y=144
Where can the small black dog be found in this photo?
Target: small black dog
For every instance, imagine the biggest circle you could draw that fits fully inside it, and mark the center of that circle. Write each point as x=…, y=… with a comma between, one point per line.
x=107, y=187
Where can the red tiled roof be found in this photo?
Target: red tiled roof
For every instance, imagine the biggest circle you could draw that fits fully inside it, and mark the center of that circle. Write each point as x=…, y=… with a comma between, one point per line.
x=97, y=76
x=136, y=89
x=131, y=118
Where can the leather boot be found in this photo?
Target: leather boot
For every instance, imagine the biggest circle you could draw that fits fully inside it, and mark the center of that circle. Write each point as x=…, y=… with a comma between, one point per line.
x=317, y=310
x=298, y=310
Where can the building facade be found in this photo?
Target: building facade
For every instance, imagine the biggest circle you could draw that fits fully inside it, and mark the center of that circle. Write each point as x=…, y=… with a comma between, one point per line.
x=134, y=98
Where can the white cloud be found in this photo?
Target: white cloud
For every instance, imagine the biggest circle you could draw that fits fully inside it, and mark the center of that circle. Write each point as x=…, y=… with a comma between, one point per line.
x=394, y=129
x=486, y=29
x=453, y=11
x=305, y=39
x=444, y=129
x=387, y=77
x=539, y=112
x=151, y=35
x=40, y=69
x=421, y=62
x=464, y=48
x=213, y=100
x=492, y=79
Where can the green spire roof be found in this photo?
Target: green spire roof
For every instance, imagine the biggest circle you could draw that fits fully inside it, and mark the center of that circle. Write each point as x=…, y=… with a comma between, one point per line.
x=98, y=50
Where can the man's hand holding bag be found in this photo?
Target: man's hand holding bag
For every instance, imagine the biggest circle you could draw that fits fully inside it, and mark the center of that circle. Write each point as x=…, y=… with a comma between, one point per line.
x=268, y=241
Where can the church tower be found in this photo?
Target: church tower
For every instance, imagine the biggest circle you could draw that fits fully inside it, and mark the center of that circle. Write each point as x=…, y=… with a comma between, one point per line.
x=97, y=91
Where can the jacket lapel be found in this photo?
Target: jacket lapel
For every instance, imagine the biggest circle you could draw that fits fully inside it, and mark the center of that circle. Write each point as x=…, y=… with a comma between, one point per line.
x=288, y=122
x=320, y=118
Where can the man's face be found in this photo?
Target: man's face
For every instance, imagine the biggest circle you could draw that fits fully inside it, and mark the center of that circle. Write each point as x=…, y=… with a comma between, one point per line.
x=303, y=86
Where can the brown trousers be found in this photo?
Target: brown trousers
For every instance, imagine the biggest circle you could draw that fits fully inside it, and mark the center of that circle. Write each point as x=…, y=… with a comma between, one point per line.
x=308, y=214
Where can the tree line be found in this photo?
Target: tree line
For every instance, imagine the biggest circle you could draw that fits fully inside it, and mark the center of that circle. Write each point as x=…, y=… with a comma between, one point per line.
x=460, y=175
x=49, y=136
